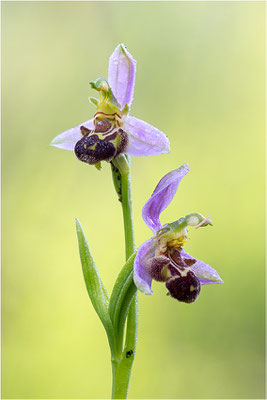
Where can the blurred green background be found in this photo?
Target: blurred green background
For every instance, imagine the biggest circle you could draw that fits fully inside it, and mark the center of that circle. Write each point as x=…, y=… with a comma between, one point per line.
x=200, y=79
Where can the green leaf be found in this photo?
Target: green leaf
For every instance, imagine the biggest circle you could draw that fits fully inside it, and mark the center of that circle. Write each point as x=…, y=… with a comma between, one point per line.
x=121, y=297
x=94, y=285
x=131, y=292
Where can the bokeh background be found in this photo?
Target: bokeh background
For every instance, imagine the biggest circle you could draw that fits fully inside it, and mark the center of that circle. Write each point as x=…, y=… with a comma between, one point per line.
x=200, y=79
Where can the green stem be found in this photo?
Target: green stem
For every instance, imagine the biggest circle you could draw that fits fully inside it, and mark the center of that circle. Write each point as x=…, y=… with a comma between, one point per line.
x=120, y=300
x=127, y=215
x=121, y=368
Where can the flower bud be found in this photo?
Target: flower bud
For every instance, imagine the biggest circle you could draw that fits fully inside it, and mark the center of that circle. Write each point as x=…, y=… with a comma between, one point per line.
x=185, y=287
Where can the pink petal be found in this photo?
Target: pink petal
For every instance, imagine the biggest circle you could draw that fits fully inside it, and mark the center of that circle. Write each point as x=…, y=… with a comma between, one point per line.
x=162, y=196
x=203, y=271
x=141, y=278
x=67, y=139
x=144, y=139
x=121, y=75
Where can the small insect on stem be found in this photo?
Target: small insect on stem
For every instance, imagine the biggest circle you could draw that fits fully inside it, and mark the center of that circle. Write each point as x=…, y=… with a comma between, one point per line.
x=129, y=353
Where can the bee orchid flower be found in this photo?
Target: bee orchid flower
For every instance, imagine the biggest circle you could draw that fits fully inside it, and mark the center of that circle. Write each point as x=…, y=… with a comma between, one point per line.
x=162, y=257
x=112, y=131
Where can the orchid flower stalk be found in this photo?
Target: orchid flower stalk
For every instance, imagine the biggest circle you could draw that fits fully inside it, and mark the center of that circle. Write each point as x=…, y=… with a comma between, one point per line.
x=113, y=136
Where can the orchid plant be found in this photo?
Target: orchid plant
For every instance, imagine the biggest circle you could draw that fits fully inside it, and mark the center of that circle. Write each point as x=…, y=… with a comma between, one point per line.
x=112, y=135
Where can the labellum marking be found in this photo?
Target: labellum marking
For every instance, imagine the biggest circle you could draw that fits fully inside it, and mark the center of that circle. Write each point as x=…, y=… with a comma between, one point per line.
x=114, y=117
x=184, y=288
x=189, y=261
x=103, y=143
x=84, y=130
x=182, y=283
x=91, y=147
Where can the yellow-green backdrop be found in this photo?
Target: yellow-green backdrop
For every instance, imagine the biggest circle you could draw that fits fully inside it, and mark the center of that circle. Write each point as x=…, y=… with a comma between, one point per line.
x=200, y=79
